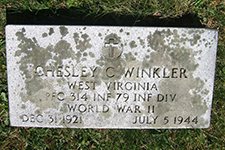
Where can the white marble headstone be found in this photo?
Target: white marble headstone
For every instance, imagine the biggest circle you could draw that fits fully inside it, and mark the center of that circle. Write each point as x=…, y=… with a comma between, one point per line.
x=110, y=77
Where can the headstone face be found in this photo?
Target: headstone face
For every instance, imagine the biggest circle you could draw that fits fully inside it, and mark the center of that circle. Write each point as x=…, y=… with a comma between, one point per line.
x=110, y=77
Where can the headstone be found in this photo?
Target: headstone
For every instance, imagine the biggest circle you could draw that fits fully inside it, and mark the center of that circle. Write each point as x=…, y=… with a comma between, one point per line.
x=110, y=77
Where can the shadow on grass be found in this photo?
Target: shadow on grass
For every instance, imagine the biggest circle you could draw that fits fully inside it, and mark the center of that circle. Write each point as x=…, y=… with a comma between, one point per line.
x=74, y=16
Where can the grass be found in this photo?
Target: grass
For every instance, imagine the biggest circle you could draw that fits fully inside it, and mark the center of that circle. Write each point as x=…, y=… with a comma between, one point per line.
x=211, y=14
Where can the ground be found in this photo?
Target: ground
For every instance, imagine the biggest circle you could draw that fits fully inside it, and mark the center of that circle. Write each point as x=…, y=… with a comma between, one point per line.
x=188, y=13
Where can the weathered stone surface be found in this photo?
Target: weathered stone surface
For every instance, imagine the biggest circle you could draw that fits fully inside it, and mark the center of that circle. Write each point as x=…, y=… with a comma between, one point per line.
x=110, y=77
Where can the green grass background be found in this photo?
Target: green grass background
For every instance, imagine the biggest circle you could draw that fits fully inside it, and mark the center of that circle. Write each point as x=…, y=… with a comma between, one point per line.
x=211, y=14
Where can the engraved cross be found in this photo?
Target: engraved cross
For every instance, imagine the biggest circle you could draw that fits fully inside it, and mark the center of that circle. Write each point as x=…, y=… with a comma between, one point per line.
x=111, y=44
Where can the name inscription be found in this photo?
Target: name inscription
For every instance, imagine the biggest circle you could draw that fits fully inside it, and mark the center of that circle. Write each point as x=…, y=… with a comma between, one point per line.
x=70, y=71
x=110, y=77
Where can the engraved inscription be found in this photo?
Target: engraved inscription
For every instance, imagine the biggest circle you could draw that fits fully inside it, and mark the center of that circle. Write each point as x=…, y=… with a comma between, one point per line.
x=112, y=47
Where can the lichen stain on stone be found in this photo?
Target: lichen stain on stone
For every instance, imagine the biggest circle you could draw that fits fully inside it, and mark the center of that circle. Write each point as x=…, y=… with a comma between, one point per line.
x=40, y=98
x=84, y=44
x=196, y=38
x=84, y=59
x=185, y=57
x=38, y=111
x=63, y=108
x=44, y=35
x=34, y=39
x=78, y=56
x=23, y=106
x=84, y=54
x=91, y=54
x=191, y=31
x=129, y=57
x=177, y=56
x=142, y=42
x=62, y=51
x=51, y=31
x=31, y=53
x=76, y=37
x=163, y=109
x=61, y=81
x=100, y=61
x=35, y=86
x=107, y=115
x=205, y=92
x=156, y=59
x=21, y=117
x=157, y=40
x=171, y=53
x=184, y=100
x=132, y=44
x=63, y=31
